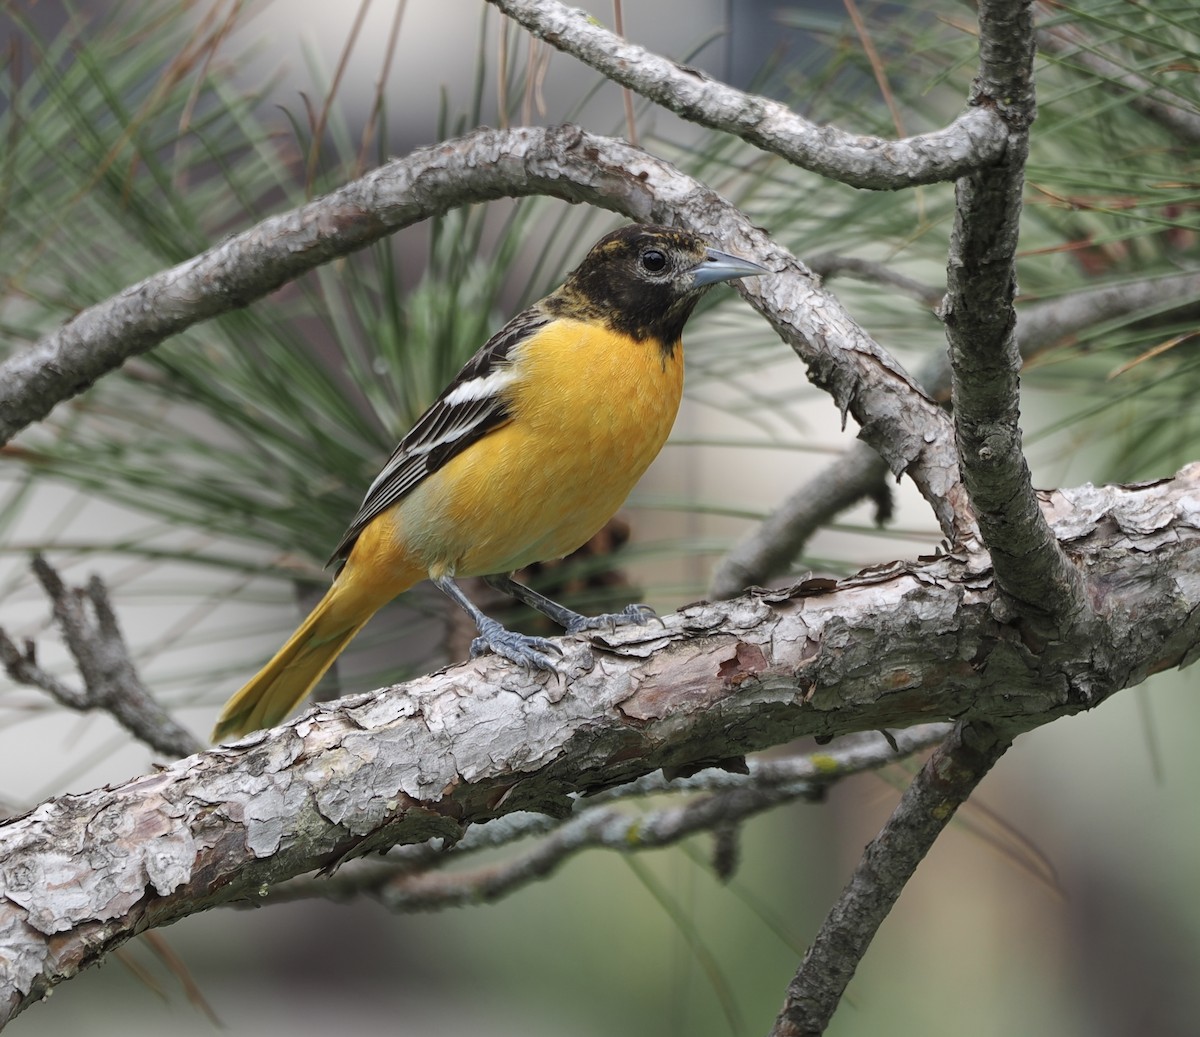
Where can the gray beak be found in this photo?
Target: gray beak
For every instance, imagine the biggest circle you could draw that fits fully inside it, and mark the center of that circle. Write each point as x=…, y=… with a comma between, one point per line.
x=721, y=266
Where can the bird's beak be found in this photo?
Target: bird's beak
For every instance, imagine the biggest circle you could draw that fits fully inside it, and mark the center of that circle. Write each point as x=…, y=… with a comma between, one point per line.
x=721, y=266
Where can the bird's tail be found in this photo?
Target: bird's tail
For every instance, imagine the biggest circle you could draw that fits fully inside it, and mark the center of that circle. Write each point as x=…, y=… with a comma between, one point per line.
x=279, y=686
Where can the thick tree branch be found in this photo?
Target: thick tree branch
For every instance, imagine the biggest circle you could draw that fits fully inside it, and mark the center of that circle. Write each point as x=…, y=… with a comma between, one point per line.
x=927, y=806
x=768, y=550
x=974, y=139
x=110, y=679
x=407, y=882
x=980, y=324
x=890, y=647
x=908, y=430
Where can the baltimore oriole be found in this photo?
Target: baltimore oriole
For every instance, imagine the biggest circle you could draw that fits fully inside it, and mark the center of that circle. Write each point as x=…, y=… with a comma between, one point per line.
x=523, y=458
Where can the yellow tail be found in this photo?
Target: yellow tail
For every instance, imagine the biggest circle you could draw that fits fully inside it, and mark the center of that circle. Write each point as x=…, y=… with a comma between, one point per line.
x=279, y=686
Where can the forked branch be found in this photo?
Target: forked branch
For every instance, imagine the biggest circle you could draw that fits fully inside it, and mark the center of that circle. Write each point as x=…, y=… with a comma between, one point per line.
x=111, y=683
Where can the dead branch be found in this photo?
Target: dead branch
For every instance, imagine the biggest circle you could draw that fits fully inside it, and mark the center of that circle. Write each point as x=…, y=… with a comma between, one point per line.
x=111, y=683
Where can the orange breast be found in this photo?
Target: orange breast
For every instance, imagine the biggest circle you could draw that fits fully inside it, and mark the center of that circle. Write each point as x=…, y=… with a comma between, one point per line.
x=591, y=410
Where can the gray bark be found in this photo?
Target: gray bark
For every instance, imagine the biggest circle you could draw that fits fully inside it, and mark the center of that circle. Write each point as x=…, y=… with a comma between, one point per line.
x=981, y=284
x=975, y=138
x=768, y=550
x=908, y=430
x=893, y=646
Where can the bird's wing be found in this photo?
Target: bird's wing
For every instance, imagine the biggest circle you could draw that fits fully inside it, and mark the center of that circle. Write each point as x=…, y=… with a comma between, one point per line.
x=471, y=406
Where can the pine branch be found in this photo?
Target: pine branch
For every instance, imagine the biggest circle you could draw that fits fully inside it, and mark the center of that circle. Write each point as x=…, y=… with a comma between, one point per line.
x=768, y=550
x=833, y=264
x=974, y=139
x=408, y=881
x=890, y=647
x=981, y=329
x=770, y=547
x=910, y=431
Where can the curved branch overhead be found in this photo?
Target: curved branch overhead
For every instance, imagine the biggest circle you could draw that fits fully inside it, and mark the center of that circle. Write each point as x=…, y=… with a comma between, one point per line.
x=908, y=430
x=897, y=645
x=975, y=138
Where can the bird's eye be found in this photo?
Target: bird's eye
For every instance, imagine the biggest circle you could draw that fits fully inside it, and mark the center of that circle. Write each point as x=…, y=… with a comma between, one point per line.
x=653, y=260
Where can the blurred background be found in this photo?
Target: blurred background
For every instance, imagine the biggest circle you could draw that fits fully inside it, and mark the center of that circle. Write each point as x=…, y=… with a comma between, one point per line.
x=208, y=480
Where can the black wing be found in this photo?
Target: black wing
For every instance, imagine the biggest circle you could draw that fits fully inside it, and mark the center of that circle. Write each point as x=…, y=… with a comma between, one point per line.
x=470, y=407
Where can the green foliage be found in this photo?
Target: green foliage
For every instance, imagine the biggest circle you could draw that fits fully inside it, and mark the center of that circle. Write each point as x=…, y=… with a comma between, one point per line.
x=131, y=143
x=1112, y=197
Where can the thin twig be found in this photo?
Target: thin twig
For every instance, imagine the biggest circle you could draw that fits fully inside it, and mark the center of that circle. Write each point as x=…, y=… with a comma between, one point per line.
x=381, y=85
x=626, y=93
x=322, y=119
x=610, y=828
x=1043, y=325
x=832, y=264
x=110, y=679
x=1072, y=43
x=502, y=76
x=772, y=546
x=876, y=63
x=407, y=880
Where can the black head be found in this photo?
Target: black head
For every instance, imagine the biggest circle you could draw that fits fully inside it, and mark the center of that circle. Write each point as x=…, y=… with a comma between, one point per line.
x=644, y=281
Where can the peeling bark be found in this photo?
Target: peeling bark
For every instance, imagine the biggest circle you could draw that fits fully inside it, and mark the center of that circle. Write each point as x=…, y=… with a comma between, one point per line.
x=893, y=646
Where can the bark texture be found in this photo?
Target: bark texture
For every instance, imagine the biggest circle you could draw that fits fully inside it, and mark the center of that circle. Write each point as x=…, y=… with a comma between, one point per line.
x=981, y=323
x=974, y=138
x=892, y=646
x=770, y=548
x=949, y=776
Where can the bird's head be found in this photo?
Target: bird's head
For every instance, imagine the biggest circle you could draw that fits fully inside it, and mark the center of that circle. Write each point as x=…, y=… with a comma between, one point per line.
x=644, y=280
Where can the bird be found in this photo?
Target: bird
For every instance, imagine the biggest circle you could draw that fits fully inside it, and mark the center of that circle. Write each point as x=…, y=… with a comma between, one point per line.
x=523, y=457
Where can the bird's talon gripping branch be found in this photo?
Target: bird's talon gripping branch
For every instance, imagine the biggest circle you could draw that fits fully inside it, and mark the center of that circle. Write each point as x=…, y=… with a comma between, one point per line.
x=638, y=615
x=521, y=459
x=571, y=622
x=522, y=649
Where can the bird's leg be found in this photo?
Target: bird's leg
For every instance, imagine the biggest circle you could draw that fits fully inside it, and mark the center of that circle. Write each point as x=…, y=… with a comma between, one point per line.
x=518, y=648
x=571, y=622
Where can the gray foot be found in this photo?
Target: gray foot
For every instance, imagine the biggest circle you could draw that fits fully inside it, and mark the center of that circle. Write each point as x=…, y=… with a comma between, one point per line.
x=638, y=614
x=530, y=652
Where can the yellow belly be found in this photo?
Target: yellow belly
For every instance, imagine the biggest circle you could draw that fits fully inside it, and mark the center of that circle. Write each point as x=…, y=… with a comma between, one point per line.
x=546, y=482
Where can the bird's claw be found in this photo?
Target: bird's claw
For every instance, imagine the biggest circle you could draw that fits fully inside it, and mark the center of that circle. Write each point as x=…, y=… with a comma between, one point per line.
x=522, y=649
x=639, y=615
